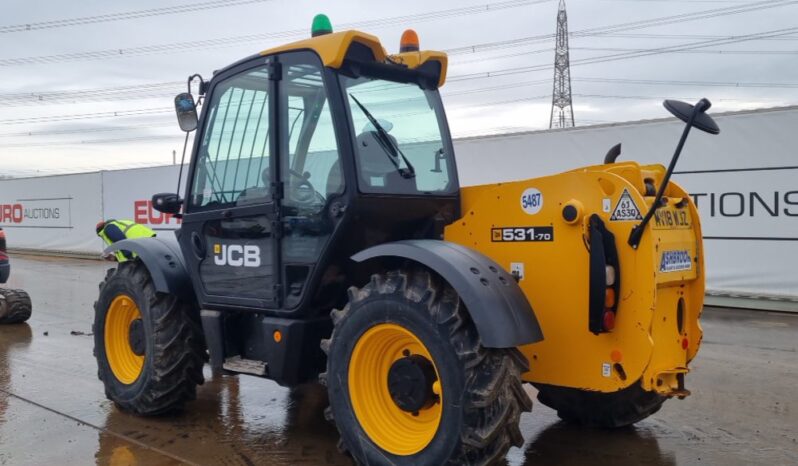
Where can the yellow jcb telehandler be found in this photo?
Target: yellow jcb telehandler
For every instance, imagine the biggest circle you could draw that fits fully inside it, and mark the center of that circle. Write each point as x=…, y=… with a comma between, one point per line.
x=325, y=237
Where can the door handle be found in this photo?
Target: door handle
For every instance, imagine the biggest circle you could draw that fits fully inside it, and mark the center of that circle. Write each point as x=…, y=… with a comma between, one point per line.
x=197, y=245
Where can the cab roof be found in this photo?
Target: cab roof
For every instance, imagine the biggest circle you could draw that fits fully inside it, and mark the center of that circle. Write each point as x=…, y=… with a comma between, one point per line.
x=332, y=50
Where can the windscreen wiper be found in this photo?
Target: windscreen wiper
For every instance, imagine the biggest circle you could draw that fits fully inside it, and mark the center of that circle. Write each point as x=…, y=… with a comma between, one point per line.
x=391, y=149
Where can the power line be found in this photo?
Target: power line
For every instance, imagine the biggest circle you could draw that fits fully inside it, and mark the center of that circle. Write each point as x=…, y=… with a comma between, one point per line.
x=659, y=82
x=625, y=55
x=92, y=141
x=685, y=36
x=121, y=16
x=84, y=116
x=228, y=41
x=420, y=17
x=101, y=129
x=620, y=49
x=656, y=97
x=711, y=52
x=138, y=91
x=455, y=78
x=706, y=14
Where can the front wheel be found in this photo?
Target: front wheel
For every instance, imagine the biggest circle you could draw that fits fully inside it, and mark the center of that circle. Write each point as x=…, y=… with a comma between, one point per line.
x=410, y=383
x=148, y=345
x=605, y=410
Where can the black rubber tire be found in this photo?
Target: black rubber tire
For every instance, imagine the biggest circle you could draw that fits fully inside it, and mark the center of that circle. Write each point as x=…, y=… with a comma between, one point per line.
x=483, y=394
x=605, y=410
x=174, y=351
x=15, y=306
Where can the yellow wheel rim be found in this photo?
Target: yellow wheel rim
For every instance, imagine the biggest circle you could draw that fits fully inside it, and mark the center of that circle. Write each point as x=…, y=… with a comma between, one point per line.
x=389, y=427
x=125, y=364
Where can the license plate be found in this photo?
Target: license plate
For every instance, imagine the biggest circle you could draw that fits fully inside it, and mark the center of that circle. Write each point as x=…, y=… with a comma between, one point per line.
x=671, y=218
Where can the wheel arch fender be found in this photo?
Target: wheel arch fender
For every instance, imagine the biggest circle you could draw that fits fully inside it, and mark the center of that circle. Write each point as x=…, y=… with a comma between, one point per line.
x=499, y=308
x=164, y=261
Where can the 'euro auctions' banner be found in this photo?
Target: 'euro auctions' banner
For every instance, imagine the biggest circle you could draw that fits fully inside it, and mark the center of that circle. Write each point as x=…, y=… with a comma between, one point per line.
x=41, y=213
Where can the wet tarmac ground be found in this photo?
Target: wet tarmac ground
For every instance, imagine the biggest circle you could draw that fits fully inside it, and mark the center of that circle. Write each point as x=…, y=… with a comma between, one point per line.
x=744, y=407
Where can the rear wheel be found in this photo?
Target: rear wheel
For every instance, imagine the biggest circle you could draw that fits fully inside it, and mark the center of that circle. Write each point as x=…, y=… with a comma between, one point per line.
x=15, y=306
x=608, y=410
x=148, y=345
x=409, y=382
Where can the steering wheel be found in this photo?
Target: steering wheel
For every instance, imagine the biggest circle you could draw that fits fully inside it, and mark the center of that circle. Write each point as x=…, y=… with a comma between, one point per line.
x=302, y=192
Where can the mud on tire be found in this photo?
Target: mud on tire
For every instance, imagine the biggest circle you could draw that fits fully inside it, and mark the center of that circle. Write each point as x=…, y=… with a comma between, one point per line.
x=483, y=396
x=15, y=306
x=174, y=345
x=605, y=410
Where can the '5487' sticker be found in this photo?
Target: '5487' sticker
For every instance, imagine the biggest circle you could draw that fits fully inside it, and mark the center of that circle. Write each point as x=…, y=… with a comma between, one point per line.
x=522, y=234
x=531, y=201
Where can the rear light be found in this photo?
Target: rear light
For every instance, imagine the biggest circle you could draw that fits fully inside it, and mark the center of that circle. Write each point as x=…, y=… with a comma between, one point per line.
x=609, y=299
x=609, y=320
x=685, y=343
x=610, y=271
x=3, y=256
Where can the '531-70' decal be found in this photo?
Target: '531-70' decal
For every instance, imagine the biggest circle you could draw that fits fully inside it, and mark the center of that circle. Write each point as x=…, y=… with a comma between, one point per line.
x=522, y=234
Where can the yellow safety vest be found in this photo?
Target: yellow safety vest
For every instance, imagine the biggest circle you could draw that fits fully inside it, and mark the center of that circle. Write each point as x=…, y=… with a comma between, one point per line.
x=130, y=229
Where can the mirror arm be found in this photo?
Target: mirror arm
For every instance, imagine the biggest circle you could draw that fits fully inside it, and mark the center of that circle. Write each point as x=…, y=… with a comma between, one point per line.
x=180, y=175
x=637, y=232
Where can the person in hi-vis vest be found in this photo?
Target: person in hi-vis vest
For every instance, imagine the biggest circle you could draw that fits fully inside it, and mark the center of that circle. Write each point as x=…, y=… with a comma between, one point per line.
x=112, y=230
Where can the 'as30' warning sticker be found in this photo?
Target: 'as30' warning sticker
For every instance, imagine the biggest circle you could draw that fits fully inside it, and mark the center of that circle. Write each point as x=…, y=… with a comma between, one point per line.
x=626, y=210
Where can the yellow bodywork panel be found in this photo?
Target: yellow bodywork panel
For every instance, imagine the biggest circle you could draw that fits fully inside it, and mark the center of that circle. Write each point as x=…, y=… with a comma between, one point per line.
x=332, y=49
x=521, y=226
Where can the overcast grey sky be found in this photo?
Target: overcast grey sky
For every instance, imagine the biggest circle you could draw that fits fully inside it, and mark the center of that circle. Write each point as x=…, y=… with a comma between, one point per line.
x=491, y=89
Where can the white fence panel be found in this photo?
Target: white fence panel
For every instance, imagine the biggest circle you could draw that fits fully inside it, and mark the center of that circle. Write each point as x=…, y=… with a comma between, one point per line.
x=127, y=194
x=54, y=213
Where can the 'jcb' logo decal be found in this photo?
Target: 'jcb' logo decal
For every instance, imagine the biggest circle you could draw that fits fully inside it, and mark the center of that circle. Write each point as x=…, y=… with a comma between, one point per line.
x=236, y=255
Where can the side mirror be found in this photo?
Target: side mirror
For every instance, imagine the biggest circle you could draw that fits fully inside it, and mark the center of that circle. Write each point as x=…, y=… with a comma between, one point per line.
x=167, y=203
x=694, y=116
x=186, y=112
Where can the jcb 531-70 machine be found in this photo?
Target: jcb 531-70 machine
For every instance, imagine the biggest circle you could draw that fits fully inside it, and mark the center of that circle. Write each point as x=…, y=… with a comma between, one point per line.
x=325, y=237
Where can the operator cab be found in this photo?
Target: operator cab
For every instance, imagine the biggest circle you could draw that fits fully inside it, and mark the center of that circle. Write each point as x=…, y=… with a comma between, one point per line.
x=295, y=148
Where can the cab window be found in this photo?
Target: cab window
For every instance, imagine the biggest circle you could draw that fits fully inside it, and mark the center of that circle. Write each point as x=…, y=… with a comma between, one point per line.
x=405, y=151
x=233, y=159
x=311, y=169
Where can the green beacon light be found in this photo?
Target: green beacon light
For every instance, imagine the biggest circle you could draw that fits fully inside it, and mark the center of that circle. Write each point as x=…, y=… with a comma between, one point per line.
x=321, y=25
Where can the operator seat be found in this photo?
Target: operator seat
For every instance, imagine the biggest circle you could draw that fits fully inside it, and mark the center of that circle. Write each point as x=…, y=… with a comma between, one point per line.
x=376, y=169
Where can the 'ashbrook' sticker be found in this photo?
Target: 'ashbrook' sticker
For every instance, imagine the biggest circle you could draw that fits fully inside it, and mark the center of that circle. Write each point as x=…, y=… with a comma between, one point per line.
x=532, y=201
x=675, y=261
x=626, y=210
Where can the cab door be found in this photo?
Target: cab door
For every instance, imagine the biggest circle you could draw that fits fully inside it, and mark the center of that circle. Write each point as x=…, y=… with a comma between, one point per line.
x=311, y=171
x=228, y=231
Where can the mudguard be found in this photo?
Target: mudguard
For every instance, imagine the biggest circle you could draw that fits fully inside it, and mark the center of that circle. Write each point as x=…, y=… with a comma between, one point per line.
x=497, y=305
x=164, y=260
